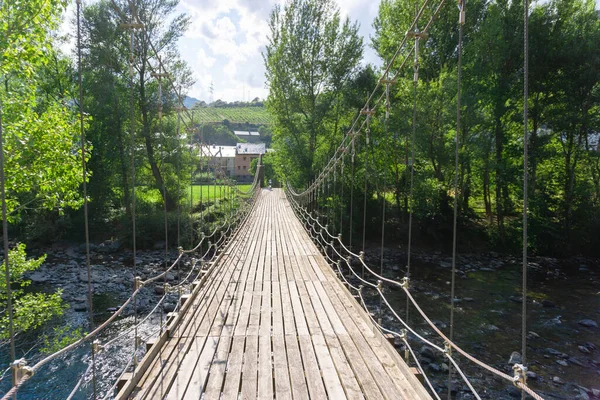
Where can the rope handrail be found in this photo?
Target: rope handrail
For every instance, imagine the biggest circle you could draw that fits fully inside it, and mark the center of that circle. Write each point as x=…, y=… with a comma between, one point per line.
x=403, y=337
x=31, y=370
x=327, y=168
x=305, y=216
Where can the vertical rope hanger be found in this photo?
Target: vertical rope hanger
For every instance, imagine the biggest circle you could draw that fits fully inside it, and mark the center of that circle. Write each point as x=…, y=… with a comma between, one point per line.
x=525, y=188
x=9, y=306
x=387, y=82
x=131, y=26
x=159, y=76
x=368, y=112
x=85, y=199
x=352, y=156
x=417, y=36
x=461, y=22
x=178, y=170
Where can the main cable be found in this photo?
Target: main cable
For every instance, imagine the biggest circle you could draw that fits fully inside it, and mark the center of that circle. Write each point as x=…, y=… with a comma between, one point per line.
x=85, y=199
x=461, y=22
x=525, y=184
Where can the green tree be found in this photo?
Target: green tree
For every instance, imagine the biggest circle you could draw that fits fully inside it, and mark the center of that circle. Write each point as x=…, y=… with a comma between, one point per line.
x=41, y=150
x=310, y=56
x=31, y=310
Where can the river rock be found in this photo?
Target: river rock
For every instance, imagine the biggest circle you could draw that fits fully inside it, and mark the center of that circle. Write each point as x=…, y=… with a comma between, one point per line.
x=514, y=392
x=434, y=367
x=428, y=352
x=39, y=277
x=532, y=375
x=515, y=358
x=588, y=323
x=557, y=380
x=490, y=327
x=79, y=307
x=532, y=335
x=159, y=290
x=583, y=349
x=562, y=362
x=555, y=353
x=548, y=304
x=516, y=299
x=575, y=361
x=596, y=392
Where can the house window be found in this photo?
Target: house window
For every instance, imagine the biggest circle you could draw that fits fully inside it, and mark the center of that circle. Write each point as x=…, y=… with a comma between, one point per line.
x=244, y=158
x=239, y=167
x=244, y=167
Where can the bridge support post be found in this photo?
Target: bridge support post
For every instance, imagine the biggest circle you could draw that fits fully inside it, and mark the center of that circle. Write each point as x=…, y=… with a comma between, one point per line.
x=260, y=170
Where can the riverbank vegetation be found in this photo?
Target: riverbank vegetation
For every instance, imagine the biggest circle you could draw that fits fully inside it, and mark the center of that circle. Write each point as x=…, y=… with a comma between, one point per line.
x=312, y=111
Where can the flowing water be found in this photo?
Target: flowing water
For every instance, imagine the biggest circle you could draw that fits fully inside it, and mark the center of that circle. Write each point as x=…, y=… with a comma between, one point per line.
x=487, y=325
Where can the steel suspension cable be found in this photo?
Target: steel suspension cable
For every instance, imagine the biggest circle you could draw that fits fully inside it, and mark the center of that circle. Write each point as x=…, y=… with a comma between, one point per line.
x=412, y=157
x=525, y=187
x=367, y=134
x=461, y=22
x=85, y=199
x=131, y=26
x=353, y=155
x=9, y=299
x=178, y=170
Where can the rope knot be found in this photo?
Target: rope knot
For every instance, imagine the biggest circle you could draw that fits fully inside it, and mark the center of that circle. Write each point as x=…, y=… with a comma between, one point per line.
x=97, y=347
x=448, y=349
x=405, y=282
x=137, y=283
x=20, y=370
x=520, y=374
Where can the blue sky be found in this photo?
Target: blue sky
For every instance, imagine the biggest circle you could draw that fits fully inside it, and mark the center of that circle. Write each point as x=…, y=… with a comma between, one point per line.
x=226, y=38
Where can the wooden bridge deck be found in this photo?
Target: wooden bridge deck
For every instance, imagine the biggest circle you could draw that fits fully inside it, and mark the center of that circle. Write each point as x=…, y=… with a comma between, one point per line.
x=273, y=321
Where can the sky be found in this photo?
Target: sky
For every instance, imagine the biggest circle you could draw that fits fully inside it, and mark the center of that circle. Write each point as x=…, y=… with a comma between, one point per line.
x=226, y=39
x=225, y=42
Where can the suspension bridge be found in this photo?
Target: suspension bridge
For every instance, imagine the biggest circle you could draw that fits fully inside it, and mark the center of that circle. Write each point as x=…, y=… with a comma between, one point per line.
x=274, y=303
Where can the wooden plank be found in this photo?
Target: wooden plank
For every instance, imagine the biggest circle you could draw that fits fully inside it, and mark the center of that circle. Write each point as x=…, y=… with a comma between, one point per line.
x=281, y=374
x=314, y=380
x=299, y=387
x=265, y=368
x=216, y=374
x=250, y=369
x=231, y=387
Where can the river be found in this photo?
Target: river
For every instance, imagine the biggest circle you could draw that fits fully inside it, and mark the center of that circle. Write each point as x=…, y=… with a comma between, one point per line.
x=561, y=294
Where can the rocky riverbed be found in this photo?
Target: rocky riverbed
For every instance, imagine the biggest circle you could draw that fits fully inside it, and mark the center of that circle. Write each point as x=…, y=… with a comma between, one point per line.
x=563, y=350
x=112, y=276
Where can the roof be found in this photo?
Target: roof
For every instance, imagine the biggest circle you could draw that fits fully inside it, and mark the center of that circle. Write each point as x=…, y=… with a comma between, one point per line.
x=251, y=148
x=218, y=151
x=246, y=133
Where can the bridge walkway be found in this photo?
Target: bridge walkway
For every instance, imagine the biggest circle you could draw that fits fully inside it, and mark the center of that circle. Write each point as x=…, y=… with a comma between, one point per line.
x=273, y=321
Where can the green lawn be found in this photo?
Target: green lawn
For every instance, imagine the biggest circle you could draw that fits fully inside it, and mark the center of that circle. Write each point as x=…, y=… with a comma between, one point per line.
x=208, y=191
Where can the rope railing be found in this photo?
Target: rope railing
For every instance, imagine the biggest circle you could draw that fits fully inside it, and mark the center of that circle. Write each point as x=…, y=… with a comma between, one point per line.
x=316, y=231
x=230, y=224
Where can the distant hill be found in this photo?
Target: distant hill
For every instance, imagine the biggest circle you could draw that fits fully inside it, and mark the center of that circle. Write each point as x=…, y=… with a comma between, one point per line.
x=188, y=102
x=235, y=115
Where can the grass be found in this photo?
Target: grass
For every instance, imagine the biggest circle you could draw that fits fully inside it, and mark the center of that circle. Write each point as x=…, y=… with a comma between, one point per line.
x=152, y=195
x=208, y=192
x=236, y=115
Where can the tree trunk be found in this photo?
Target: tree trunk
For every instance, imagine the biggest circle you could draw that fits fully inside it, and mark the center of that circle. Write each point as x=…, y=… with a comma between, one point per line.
x=122, y=157
x=171, y=203
x=499, y=169
x=486, y=192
